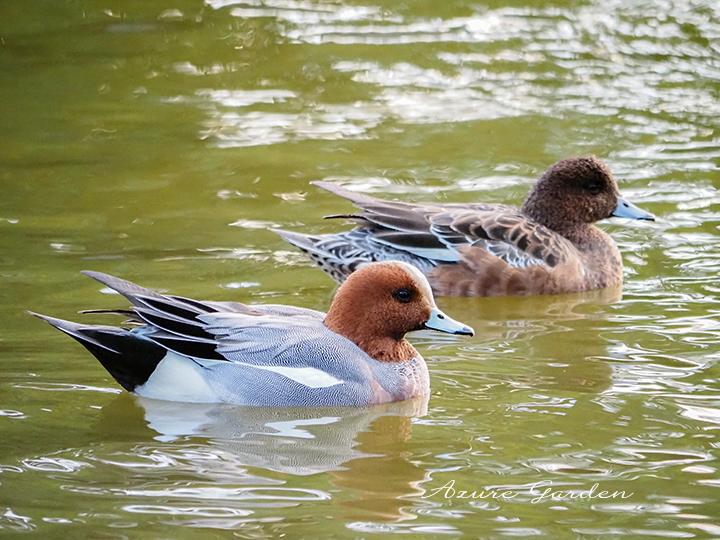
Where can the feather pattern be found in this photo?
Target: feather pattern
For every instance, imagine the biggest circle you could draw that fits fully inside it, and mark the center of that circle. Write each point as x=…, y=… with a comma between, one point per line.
x=428, y=235
x=190, y=350
x=548, y=246
x=192, y=328
x=436, y=231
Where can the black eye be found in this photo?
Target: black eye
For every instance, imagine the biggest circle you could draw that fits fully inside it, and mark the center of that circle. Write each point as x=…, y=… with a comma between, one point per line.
x=402, y=295
x=593, y=187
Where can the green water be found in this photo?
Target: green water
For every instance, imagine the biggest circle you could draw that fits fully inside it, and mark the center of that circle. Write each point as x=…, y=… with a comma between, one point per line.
x=158, y=140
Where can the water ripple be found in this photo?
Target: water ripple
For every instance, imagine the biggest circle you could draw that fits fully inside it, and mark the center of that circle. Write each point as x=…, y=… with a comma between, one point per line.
x=238, y=103
x=617, y=60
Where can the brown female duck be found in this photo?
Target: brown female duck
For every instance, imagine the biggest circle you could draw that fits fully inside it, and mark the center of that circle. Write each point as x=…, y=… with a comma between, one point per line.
x=548, y=246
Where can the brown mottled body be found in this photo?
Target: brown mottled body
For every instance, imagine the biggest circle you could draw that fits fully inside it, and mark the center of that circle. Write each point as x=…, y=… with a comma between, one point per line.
x=596, y=265
x=548, y=246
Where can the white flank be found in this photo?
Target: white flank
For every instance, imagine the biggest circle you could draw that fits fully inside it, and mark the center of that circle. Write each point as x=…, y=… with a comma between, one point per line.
x=177, y=378
x=307, y=376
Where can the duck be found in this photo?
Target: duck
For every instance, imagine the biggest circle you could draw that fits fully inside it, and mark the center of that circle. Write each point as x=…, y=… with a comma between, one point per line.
x=548, y=246
x=175, y=348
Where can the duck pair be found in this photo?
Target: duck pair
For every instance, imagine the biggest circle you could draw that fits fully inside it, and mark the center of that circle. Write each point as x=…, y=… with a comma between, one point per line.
x=356, y=354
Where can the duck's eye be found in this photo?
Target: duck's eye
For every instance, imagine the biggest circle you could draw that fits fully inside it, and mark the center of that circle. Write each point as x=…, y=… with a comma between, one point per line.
x=402, y=295
x=593, y=187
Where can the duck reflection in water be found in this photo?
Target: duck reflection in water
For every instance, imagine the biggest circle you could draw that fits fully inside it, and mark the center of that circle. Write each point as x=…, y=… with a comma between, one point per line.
x=364, y=450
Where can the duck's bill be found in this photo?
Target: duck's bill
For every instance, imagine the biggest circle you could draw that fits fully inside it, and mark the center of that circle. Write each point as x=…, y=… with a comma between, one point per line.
x=628, y=210
x=442, y=323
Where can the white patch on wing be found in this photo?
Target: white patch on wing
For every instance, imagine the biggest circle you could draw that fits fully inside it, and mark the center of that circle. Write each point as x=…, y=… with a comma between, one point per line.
x=177, y=378
x=307, y=376
x=435, y=254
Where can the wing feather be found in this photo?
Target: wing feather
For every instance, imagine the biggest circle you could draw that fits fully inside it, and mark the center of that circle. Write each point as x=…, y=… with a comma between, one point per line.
x=265, y=336
x=438, y=232
x=171, y=321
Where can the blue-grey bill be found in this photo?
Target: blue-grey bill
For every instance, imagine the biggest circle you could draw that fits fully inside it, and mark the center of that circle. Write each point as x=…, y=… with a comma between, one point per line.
x=442, y=323
x=628, y=210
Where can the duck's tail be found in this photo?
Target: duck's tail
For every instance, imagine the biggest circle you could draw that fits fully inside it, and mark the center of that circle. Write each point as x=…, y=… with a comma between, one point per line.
x=338, y=255
x=341, y=254
x=128, y=357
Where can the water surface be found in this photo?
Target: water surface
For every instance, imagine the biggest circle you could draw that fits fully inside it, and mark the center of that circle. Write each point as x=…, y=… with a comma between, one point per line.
x=158, y=141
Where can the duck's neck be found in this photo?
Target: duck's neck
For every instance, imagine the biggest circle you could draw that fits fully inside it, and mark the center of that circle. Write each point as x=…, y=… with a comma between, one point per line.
x=588, y=237
x=546, y=211
x=583, y=235
x=580, y=234
x=387, y=349
x=370, y=337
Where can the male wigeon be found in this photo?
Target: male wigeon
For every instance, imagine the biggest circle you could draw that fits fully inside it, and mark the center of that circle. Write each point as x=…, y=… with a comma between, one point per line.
x=180, y=349
x=548, y=246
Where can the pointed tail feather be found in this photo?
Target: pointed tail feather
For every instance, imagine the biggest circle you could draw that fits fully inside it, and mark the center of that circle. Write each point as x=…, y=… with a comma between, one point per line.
x=352, y=196
x=75, y=330
x=129, y=358
x=305, y=242
x=126, y=288
x=123, y=312
x=369, y=205
x=331, y=252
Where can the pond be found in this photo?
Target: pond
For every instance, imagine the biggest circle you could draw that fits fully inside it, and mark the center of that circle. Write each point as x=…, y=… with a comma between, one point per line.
x=158, y=141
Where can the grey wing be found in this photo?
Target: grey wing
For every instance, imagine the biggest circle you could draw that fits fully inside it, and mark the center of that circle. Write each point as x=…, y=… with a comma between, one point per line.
x=268, y=309
x=291, y=311
x=277, y=340
x=300, y=359
x=177, y=323
x=247, y=350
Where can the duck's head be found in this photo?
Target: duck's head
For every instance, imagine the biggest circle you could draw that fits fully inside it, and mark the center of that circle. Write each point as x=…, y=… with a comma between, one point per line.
x=380, y=302
x=578, y=191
